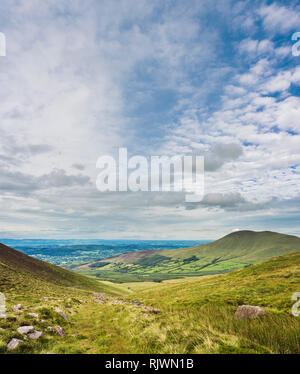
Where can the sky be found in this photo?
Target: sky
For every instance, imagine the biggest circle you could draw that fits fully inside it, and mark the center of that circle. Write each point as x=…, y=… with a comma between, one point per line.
x=83, y=78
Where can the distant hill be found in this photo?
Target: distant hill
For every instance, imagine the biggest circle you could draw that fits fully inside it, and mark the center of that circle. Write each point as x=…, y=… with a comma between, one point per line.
x=21, y=274
x=234, y=251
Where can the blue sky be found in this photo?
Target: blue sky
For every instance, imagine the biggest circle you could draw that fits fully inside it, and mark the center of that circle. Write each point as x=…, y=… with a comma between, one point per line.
x=82, y=79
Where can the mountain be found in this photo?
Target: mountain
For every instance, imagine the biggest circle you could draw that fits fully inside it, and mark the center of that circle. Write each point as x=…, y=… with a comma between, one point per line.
x=234, y=251
x=21, y=274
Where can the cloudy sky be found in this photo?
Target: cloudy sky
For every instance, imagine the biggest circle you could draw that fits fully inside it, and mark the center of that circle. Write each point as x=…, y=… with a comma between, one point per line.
x=83, y=78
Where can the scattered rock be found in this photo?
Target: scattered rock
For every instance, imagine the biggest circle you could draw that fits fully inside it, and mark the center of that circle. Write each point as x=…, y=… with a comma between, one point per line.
x=59, y=331
x=43, y=321
x=17, y=308
x=23, y=330
x=13, y=344
x=151, y=309
x=249, y=311
x=3, y=316
x=62, y=314
x=35, y=315
x=135, y=303
x=35, y=335
x=116, y=302
x=46, y=299
x=99, y=301
x=100, y=296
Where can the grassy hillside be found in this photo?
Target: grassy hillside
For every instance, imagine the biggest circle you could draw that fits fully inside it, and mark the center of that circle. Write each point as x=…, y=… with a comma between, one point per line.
x=195, y=315
x=21, y=274
x=28, y=281
x=234, y=251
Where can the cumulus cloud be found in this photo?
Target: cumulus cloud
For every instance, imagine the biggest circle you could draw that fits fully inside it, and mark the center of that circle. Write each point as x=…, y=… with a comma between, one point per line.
x=24, y=184
x=279, y=18
x=82, y=79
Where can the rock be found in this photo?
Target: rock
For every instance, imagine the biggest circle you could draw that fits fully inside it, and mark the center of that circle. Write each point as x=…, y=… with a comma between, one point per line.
x=62, y=314
x=13, y=344
x=46, y=299
x=17, y=308
x=35, y=335
x=151, y=309
x=100, y=296
x=116, y=302
x=3, y=316
x=23, y=330
x=43, y=321
x=249, y=311
x=99, y=301
x=35, y=315
x=59, y=331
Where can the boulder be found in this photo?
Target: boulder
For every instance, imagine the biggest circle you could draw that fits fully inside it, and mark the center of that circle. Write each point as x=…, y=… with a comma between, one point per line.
x=13, y=344
x=151, y=309
x=24, y=330
x=99, y=301
x=17, y=308
x=249, y=312
x=117, y=302
x=35, y=315
x=62, y=314
x=100, y=295
x=59, y=331
x=35, y=335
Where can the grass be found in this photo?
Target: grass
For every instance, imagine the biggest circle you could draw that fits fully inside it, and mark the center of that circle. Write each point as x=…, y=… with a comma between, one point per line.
x=235, y=251
x=197, y=315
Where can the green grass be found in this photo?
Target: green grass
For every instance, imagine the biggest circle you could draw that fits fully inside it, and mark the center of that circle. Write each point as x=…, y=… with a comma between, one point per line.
x=196, y=314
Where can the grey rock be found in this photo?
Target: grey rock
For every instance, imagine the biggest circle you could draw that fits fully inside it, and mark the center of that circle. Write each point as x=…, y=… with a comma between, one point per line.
x=59, y=331
x=62, y=314
x=249, y=312
x=23, y=330
x=3, y=316
x=35, y=315
x=13, y=344
x=35, y=335
x=151, y=309
x=17, y=308
x=99, y=301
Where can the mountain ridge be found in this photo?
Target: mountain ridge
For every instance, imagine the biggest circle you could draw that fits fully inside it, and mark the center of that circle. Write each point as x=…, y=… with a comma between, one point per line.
x=231, y=252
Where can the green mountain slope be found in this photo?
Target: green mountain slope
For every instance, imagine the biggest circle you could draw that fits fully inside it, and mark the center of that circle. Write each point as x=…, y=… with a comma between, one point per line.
x=234, y=251
x=21, y=274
